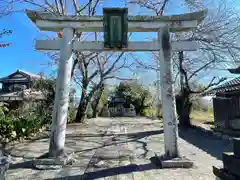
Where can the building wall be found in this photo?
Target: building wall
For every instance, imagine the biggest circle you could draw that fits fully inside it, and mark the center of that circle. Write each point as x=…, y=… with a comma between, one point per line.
x=206, y=102
x=13, y=82
x=227, y=111
x=13, y=87
x=120, y=110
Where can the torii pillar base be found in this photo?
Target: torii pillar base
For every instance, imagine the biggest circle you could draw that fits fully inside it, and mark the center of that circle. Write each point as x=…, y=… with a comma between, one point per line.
x=168, y=162
x=45, y=162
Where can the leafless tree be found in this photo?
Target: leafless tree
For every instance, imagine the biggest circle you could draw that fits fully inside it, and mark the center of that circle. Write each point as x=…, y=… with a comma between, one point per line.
x=95, y=71
x=90, y=70
x=3, y=33
x=218, y=37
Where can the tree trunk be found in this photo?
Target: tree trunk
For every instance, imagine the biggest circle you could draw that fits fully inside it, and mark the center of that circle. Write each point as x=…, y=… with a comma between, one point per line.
x=184, y=107
x=82, y=107
x=96, y=102
x=85, y=99
x=81, y=111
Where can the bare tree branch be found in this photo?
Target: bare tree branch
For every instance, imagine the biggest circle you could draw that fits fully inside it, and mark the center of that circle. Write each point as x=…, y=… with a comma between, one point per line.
x=94, y=7
x=62, y=7
x=217, y=36
x=200, y=69
x=40, y=6
x=57, y=7
x=211, y=84
x=162, y=8
x=118, y=78
x=76, y=7
x=114, y=64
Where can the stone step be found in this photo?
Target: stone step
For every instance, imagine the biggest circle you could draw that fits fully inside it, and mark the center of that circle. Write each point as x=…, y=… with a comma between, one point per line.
x=231, y=163
x=223, y=174
x=236, y=147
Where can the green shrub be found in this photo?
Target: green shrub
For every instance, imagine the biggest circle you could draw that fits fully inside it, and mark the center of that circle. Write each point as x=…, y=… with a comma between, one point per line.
x=135, y=94
x=147, y=112
x=16, y=128
x=7, y=129
x=30, y=117
x=17, y=124
x=3, y=109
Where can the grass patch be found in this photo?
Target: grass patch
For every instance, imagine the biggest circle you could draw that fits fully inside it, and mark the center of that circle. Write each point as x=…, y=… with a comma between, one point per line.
x=205, y=117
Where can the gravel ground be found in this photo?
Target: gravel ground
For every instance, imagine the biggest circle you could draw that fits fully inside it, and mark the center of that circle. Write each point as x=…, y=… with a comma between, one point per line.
x=120, y=149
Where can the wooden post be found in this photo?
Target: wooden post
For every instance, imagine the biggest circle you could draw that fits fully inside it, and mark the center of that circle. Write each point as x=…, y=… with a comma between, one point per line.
x=60, y=112
x=168, y=99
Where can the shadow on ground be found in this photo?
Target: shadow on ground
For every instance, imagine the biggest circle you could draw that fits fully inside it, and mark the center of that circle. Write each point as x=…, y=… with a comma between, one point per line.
x=22, y=165
x=115, y=139
x=130, y=137
x=206, y=141
x=112, y=171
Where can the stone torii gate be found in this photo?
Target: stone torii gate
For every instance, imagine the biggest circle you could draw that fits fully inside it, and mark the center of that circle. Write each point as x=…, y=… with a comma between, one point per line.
x=69, y=24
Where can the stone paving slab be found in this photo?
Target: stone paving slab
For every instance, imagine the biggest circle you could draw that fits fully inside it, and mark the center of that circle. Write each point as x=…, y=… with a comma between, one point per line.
x=120, y=149
x=82, y=139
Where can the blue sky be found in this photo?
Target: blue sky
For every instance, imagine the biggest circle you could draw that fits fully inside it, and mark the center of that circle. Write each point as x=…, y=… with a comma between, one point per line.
x=22, y=55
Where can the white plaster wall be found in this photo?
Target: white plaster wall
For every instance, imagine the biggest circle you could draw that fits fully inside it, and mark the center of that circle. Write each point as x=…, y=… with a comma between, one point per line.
x=206, y=101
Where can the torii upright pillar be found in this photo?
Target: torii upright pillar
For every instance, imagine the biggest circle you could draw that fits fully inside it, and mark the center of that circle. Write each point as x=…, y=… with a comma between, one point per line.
x=167, y=93
x=60, y=111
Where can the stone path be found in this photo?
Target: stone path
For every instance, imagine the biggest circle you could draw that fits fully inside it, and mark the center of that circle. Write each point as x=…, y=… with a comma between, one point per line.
x=120, y=149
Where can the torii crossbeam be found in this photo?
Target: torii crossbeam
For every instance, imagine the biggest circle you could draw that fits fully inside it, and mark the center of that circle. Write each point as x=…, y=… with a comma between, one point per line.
x=66, y=45
x=176, y=23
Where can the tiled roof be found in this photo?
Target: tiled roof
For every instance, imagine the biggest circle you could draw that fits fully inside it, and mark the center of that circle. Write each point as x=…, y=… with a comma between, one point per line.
x=232, y=85
x=30, y=74
x=235, y=70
